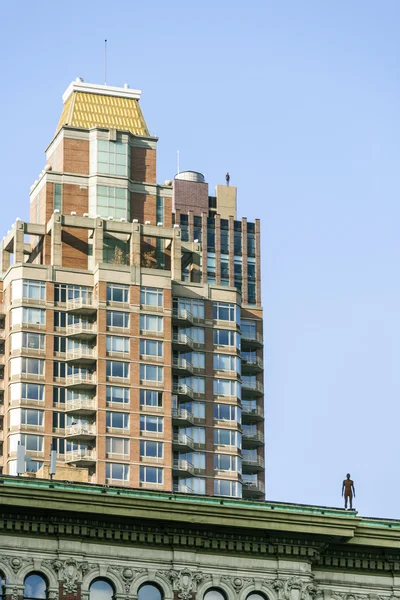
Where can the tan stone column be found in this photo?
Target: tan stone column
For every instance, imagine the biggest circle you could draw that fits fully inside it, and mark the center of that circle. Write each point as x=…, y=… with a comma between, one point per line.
x=176, y=258
x=19, y=242
x=98, y=236
x=134, y=249
x=56, y=245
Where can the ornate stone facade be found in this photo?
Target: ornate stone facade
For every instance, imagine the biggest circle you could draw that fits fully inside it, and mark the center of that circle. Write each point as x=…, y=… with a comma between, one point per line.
x=74, y=535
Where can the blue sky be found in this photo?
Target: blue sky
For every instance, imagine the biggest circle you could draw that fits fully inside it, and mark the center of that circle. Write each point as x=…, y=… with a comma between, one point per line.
x=299, y=101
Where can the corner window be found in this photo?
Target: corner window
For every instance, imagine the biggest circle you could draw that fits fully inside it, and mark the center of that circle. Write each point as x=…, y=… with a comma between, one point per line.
x=113, y=158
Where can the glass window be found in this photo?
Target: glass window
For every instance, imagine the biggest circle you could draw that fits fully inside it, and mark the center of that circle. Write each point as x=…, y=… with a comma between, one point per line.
x=117, y=420
x=227, y=437
x=151, y=423
x=249, y=329
x=150, y=398
x=117, y=344
x=117, y=319
x=149, y=591
x=113, y=157
x=60, y=343
x=214, y=594
x=101, y=589
x=198, y=359
x=57, y=197
x=227, y=462
x=117, y=394
x=26, y=416
x=151, y=475
x=151, y=373
x=31, y=391
x=117, y=292
x=224, y=487
x=226, y=311
x=160, y=210
x=35, y=586
x=115, y=251
x=116, y=445
x=151, y=323
x=28, y=289
x=30, y=316
x=151, y=348
x=117, y=471
x=251, y=243
x=31, y=442
x=113, y=202
x=226, y=337
x=227, y=387
x=151, y=449
x=26, y=366
x=226, y=362
x=251, y=293
x=227, y=412
x=151, y=296
x=195, y=307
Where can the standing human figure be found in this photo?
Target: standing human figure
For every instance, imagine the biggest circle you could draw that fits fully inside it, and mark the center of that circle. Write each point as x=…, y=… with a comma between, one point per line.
x=348, y=490
x=227, y=178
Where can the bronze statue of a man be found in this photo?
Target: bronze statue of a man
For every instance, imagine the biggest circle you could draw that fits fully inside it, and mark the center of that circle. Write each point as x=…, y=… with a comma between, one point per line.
x=348, y=490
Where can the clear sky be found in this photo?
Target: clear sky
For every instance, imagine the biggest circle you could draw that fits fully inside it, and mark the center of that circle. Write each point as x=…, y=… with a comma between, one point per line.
x=299, y=100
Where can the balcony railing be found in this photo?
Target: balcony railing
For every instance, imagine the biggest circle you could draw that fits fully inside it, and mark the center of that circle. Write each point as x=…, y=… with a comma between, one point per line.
x=182, y=489
x=182, y=389
x=182, y=339
x=80, y=429
x=86, y=404
x=81, y=354
x=255, y=412
x=252, y=338
x=80, y=455
x=82, y=328
x=81, y=302
x=253, y=487
x=182, y=439
x=183, y=465
x=254, y=362
x=178, y=362
x=256, y=461
x=254, y=387
x=81, y=379
x=257, y=437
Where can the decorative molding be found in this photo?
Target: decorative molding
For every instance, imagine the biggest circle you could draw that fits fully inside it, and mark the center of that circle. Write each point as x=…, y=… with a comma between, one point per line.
x=126, y=574
x=237, y=583
x=185, y=582
x=70, y=572
x=294, y=588
x=15, y=562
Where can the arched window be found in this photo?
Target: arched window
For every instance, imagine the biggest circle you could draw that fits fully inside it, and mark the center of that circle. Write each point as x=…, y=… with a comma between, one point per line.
x=214, y=594
x=35, y=586
x=149, y=591
x=2, y=586
x=256, y=596
x=101, y=589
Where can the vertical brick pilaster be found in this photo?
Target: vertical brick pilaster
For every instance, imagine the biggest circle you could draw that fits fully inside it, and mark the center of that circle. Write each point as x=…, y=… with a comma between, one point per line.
x=258, y=260
x=231, y=251
x=204, y=244
x=191, y=225
x=218, y=249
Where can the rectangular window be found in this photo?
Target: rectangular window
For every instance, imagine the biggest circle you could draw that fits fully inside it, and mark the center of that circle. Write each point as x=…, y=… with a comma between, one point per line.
x=226, y=337
x=26, y=366
x=117, y=420
x=28, y=290
x=58, y=444
x=60, y=319
x=152, y=424
x=117, y=293
x=27, y=341
x=113, y=157
x=116, y=368
x=151, y=323
x=115, y=471
x=33, y=443
x=151, y=296
x=194, y=307
x=118, y=446
x=225, y=487
x=227, y=412
x=60, y=343
x=113, y=202
x=26, y=391
x=251, y=243
x=227, y=387
x=58, y=395
x=249, y=329
x=117, y=344
x=151, y=449
x=58, y=420
x=150, y=398
x=226, y=311
x=197, y=359
x=151, y=348
x=227, y=462
x=151, y=373
x=116, y=394
x=151, y=475
x=160, y=210
x=58, y=369
x=227, y=437
x=25, y=416
x=117, y=319
x=27, y=316
x=226, y=362
x=57, y=197
x=196, y=333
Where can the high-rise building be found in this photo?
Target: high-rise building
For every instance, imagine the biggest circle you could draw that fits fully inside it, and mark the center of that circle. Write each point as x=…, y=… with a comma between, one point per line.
x=131, y=318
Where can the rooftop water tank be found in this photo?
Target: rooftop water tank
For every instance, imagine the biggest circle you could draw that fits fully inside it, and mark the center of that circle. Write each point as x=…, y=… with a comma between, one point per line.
x=191, y=176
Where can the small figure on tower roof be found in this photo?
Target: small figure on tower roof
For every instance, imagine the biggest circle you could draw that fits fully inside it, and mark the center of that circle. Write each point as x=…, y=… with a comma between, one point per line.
x=228, y=178
x=348, y=490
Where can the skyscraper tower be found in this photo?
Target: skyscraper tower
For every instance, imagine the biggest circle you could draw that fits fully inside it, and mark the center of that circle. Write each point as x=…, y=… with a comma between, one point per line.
x=131, y=320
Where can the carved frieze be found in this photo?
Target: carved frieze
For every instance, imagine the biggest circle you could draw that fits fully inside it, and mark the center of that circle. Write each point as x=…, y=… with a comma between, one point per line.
x=70, y=572
x=126, y=574
x=185, y=582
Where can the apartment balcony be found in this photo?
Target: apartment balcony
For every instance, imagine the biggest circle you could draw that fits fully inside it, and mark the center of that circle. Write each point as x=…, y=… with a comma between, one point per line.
x=25, y=350
x=252, y=365
x=82, y=355
x=182, y=416
x=80, y=431
x=252, y=415
x=182, y=467
x=253, y=440
x=252, y=389
x=182, y=341
x=85, y=406
x=29, y=325
x=81, y=304
x=253, y=465
x=182, y=442
x=182, y=365
x=182, y=489
x=27, y=377
x=118, y=482
x=81, y=458
x=253, y=489
x=251, y=340
x=82, y=330
x=26, y=427
x=182, y=315
x=33, y=402
x=183, y=391
x=81, y=380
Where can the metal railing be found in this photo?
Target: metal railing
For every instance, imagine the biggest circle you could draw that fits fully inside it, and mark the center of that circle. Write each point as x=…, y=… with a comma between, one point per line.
x=83, y=327
x=77, y=455
x=81, y=353
x=84, y=404
x=80, y=302
x=258, y=436
x=180, y=464
x=80, y=429
x=252, y=386
x=257, y=411
x=182, y=389
x=81, y=378
x=257, y=461
x=183, y=440
x=251, y=486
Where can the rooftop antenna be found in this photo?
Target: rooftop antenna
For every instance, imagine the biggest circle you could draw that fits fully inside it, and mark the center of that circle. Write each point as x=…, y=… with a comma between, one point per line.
x=105, y=62
x=177, y=161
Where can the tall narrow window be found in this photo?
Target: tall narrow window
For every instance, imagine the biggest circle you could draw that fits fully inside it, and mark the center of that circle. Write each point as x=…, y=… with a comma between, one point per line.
x=35, y=587
x=160, y=210
x=57, y=193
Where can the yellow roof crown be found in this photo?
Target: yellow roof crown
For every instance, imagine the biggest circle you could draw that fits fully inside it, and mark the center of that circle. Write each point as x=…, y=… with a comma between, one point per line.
x=87, y=105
